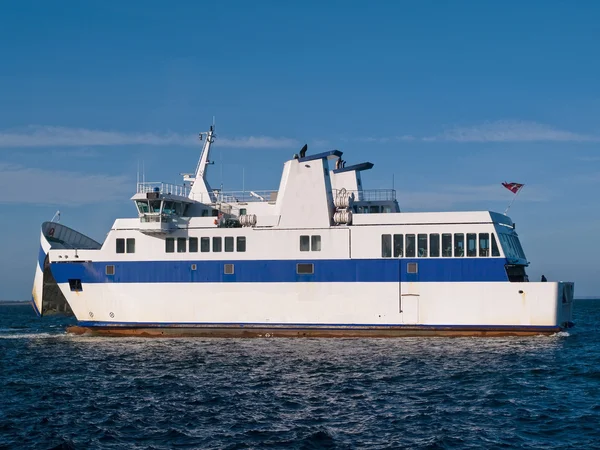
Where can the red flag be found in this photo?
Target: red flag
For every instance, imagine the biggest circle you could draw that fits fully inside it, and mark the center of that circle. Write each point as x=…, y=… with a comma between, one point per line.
x=513, y=187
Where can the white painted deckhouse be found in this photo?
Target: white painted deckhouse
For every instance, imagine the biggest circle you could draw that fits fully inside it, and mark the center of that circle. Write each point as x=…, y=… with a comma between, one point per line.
x=320, y=256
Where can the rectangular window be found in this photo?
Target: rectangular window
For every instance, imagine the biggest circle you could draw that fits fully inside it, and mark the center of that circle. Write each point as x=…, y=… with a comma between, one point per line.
x=242, y=211
x=412, y=268
x=315, y=243
x=398, y=245
x=120, y=245
x=422, y=245
x=181, y=245
x=446, y=245
x=434, y=245
x=471, y=244
x=205, y=244
x=304, y=243
x=228, y=269
x=170, y=245
x=216, y=244
x=305, y=268
x=130, y=245
x=459, y=244
x=484, y=244
x=386, y=245
x=410, y=245
x=110, y=270
x=75, y=285
x=193, y=245
x=229, y=244
x=241, y=243
x=374, y=209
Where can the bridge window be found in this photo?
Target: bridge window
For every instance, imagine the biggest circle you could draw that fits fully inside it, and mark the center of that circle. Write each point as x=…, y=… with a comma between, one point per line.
x=446, y=245
x=120, y=245
x=410, y=246
x=193, y=245
x=315, y=243
x=305, y=268
x=216, y=244
x=484, y=244
x=170, y=245
x=495, y=249
x=142, y=206
x=130, y=245
x=386, y=245
x=398, y=245
x=374, y=209
x=229, y=244
x=434, y=245
x=471, y=244
x=205, y=244
x=241, y=243
x=154, y=206
x=422, y=244
x=304, y=243
x=459, y=244
x=181, y=244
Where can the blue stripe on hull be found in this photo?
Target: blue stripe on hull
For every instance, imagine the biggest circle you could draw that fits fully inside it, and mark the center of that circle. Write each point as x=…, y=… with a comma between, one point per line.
x=284, y=271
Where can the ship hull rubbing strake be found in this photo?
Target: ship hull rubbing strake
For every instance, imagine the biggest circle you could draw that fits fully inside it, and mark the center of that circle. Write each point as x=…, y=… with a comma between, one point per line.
x=46, y=297
x=319, y=257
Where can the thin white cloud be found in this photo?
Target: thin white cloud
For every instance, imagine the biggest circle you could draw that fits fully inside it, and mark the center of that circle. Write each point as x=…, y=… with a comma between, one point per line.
x=38, y=186
x=47, y=136
x=497, y=131
x=511, y=131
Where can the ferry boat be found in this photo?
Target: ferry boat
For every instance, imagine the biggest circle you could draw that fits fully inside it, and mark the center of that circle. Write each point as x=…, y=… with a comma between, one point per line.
x=321, y=256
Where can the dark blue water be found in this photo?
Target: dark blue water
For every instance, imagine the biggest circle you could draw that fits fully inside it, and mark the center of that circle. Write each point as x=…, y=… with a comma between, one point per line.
x=93, y=392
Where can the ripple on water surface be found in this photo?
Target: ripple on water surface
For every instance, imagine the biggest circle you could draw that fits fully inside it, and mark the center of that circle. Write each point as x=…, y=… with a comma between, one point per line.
x=94, y=392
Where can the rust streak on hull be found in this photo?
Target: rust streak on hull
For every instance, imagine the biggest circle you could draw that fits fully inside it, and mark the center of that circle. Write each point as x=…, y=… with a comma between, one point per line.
x=254, y=332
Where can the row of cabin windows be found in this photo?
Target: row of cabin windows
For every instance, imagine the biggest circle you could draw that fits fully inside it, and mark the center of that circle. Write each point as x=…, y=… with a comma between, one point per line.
x=428, y=245
x=191, y=244
x=310, y=243
x=126, y=245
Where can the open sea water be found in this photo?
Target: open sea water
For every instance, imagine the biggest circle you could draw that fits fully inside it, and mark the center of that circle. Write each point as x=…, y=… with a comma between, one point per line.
x=74, y=392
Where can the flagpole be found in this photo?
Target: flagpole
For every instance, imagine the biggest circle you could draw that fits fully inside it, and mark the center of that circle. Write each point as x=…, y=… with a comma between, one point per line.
x=513, y=199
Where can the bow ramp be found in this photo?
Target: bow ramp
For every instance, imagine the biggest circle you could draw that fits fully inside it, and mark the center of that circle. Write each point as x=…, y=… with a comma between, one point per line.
x=47, y=298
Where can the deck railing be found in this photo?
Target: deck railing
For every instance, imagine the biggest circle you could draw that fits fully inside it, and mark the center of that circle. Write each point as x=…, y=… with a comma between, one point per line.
x=163, y=188
x=370, y=195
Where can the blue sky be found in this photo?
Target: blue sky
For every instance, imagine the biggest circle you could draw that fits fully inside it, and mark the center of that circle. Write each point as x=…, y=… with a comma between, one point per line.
x=449, y=98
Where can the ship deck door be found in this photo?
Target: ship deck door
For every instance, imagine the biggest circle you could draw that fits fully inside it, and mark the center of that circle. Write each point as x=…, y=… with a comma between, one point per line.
x=409, y=292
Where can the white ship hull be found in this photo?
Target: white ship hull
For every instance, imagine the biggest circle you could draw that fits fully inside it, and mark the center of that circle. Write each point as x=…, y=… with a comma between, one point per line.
x=374, y=309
